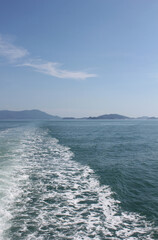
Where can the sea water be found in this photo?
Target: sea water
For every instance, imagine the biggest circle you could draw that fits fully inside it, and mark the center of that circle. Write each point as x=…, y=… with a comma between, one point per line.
x=87, y=179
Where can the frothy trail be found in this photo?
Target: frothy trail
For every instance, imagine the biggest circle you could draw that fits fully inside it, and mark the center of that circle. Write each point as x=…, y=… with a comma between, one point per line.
x=9, y=166
x=54, y=197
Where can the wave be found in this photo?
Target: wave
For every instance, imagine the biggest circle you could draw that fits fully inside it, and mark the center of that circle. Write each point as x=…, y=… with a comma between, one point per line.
x=47, y=195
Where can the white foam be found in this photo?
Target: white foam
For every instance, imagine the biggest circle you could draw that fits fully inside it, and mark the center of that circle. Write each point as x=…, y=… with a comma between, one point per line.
x=65, y=199
x=8, y=183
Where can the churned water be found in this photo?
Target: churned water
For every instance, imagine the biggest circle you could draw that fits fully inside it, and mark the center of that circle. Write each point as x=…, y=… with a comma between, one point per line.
x=79, y=180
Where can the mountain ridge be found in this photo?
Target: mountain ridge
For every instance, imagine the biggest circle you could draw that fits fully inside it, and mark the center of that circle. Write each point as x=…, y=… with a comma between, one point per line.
x=110, y=116
x=26, y=114
x=35, y=114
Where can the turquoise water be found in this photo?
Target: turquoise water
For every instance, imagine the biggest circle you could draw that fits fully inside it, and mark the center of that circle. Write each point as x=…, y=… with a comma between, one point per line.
x=79, y=180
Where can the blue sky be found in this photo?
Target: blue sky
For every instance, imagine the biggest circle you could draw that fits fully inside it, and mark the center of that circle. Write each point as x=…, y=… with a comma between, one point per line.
x=79, y=57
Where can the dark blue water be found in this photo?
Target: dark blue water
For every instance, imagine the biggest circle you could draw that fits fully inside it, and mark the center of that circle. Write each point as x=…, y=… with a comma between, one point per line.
x=79, y=179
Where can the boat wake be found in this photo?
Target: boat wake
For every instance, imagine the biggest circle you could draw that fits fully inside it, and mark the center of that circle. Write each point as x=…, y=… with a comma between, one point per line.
x=45, y=194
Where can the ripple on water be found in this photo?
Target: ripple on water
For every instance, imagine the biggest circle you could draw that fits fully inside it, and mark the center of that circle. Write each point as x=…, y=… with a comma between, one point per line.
x=55, y=197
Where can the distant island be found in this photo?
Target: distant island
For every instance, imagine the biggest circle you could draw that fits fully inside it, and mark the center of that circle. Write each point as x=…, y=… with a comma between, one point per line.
x=26, y=114
x=110, y=116
x=39, y=115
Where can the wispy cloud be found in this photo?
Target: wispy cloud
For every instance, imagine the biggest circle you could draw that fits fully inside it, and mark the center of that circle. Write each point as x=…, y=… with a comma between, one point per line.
x=14, y=53
x=10, y=51
x=53, y=69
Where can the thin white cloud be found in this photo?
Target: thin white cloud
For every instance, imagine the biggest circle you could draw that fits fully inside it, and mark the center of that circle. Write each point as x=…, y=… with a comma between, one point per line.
x=11, y=52
x=52, y=69
x=14, y=53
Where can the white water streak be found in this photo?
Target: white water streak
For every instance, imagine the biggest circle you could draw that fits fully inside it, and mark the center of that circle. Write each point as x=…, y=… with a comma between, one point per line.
x=50, y=196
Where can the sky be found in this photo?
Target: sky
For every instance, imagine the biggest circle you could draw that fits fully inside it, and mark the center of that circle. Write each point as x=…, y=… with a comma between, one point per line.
x=79, y=58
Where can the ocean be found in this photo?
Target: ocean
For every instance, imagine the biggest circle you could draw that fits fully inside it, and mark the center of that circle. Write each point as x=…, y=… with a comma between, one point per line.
x=79, y=179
